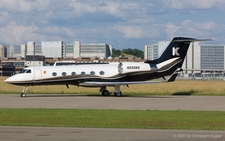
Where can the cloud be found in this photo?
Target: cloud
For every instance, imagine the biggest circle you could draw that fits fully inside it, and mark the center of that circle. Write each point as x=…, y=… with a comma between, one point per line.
x=14, y=33
x=131, y=31
x=171, y=30
x=199, y=28
x=112, y=21
x=193, y=4
x=24, y=5
x=203, y=26
x=194, y=29
x=144, y=31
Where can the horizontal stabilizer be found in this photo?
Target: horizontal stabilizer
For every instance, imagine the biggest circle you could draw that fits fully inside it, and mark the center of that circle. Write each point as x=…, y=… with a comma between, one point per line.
x=183, y=39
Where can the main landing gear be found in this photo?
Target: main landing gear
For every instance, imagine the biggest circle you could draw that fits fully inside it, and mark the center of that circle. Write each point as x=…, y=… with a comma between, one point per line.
x=105, y=92
x=23, y=94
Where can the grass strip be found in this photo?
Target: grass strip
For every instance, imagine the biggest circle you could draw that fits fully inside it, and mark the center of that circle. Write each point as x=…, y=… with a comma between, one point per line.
x=178, y=87
x=139, y=119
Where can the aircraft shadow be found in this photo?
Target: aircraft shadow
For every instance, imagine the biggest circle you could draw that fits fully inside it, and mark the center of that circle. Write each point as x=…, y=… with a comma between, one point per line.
x=95, y=95
x=188, y=93
x=54, y=95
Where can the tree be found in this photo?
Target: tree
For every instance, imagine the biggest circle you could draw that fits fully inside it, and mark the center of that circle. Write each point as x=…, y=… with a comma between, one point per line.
x=135, y=52
x=116, y=53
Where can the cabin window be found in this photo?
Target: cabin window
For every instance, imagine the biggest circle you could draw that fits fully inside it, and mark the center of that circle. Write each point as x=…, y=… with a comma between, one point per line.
x=54, y=74
x=92, y=73
x=64, y=74
x=82, y=73
x=73, y=73
x=101, y=72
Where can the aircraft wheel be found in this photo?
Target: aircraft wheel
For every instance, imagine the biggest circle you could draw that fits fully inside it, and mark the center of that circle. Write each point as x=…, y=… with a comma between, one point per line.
x=23, y=95
x=119, y=94
x=105, y=93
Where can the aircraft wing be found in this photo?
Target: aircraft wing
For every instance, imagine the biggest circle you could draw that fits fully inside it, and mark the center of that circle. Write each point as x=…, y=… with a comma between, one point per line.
x=108, y=83
x=97, y=83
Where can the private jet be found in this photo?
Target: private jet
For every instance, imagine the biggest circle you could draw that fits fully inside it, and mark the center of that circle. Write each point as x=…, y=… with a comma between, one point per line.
x=109, y=74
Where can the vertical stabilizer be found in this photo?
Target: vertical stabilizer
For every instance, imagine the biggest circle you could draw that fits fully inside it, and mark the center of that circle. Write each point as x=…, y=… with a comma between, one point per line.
x=177, y=48
x=171, y=60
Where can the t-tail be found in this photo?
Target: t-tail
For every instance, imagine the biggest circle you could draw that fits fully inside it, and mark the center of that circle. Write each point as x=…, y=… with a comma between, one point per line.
x=171, y=60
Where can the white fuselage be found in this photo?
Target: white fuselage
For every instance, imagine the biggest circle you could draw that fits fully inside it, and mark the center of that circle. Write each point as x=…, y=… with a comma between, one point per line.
x=48, y=74
x=54, y=73
x=76, y=74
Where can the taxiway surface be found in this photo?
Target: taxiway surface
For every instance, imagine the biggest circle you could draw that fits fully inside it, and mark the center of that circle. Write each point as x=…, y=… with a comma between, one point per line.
x=202, y=103
x=12, y=133
x=205, y=103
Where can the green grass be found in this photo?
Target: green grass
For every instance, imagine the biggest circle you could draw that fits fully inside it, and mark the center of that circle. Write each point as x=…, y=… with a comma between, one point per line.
x=198, y=120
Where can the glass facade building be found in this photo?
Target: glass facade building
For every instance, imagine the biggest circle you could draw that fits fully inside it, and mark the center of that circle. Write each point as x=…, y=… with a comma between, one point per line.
x=95, y=50
x=153, y=51
x=58, y=49
x=17, y=50
x=69, y=48
x=38, y=49
x=212, y=57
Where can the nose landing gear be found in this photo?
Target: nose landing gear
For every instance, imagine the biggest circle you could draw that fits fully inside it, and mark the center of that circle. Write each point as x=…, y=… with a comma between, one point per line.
x=23, y=94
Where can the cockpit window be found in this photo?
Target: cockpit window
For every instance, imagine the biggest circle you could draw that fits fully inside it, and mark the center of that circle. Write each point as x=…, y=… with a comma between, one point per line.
x=25, y=71
x=28, y=71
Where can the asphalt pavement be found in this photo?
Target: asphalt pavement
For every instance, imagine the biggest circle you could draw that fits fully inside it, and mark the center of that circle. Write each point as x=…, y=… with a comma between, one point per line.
x=200, y=103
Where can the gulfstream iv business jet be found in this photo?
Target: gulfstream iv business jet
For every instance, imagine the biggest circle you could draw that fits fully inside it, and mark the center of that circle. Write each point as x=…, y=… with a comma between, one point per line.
x=111, y=74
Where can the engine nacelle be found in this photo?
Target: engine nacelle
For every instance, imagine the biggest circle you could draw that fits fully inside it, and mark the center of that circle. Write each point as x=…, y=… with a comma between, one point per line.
x=128, y=67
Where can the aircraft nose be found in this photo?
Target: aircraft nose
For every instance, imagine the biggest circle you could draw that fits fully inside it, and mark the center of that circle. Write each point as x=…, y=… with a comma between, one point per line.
x=10, y=80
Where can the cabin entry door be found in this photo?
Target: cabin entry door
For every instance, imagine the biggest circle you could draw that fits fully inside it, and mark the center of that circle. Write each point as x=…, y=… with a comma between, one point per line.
x=37, y=76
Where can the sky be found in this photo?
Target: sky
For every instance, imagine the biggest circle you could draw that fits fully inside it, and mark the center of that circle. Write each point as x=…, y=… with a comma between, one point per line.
x=120, y=23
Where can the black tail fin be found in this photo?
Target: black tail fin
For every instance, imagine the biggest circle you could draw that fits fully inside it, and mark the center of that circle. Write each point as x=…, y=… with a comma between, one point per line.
x=171, y=60
x=178, y=47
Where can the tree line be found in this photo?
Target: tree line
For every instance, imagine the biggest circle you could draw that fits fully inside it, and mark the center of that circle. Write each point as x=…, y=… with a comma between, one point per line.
x=135, y=52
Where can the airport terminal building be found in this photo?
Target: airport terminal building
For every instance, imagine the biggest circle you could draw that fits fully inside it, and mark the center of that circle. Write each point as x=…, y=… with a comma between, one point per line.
x=15, y=57
x=57, y=49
